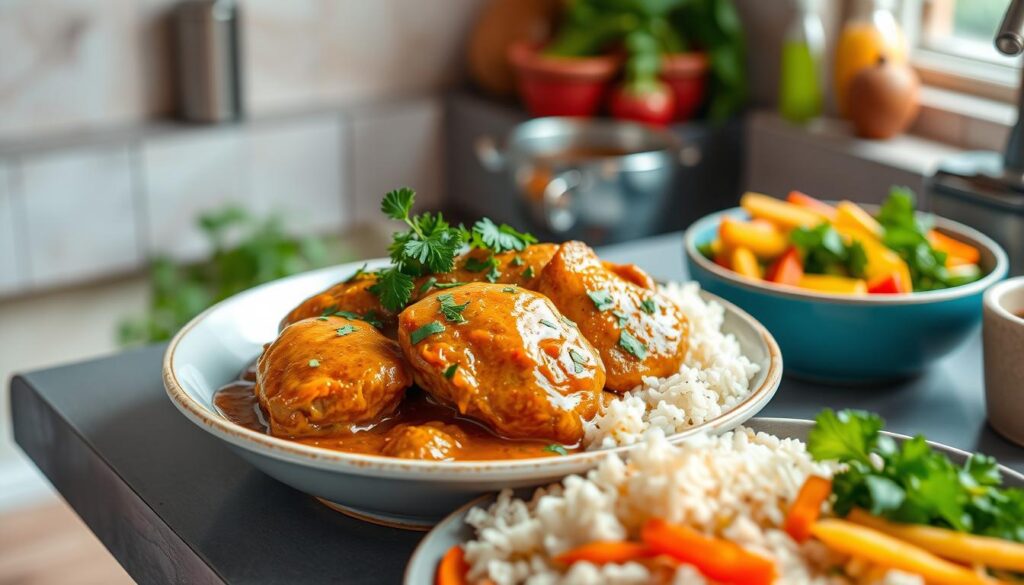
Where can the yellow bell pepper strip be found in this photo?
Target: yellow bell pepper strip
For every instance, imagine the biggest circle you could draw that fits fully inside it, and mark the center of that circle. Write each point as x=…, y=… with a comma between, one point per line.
x=964, y=253
x=761, y=238
x=889, y=552
x=840, y=285
x=810, y=203
x=853, y=216
x=745, y=263
x=453, y=568
x=721, y=560
x=606, y=551
x=785, y=216
x=956, y=546
x=882, y=261
x=806, y=509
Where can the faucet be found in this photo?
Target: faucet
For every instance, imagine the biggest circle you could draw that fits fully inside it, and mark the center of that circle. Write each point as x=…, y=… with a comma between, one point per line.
x=1010, y=42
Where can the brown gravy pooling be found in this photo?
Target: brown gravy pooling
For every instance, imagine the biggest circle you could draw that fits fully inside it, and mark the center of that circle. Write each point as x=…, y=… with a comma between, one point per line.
x=237, y=402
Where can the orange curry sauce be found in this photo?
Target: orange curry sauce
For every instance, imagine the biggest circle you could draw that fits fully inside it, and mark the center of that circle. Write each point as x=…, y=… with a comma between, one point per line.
x=237, y=402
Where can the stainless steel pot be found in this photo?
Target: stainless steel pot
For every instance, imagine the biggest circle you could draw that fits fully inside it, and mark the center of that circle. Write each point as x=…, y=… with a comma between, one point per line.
x=595, y=180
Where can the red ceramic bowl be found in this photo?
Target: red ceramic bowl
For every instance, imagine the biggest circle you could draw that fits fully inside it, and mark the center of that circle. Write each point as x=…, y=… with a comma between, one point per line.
x=686, y=74
x=561, y=86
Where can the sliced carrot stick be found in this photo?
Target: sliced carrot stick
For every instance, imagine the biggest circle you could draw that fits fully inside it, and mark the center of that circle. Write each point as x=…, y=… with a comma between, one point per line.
x=453, y=568
x=886, y=551
x=718, y=559
x=807, y=507
x=954, y=247
x=957, y=546
x=605, y=551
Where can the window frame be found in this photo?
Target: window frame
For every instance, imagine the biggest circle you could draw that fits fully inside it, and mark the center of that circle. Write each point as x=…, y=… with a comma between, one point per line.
x=953, y=71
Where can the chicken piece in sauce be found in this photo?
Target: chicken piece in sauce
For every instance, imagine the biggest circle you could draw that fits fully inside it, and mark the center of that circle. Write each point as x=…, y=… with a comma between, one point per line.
x=328, y=375
x=518, y=268
x=637, y=331
x=503, y=355
x=434, y=441
x=352, y=296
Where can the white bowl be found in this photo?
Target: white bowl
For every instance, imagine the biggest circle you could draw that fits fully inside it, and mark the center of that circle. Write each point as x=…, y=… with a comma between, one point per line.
x=453, y=530
x=214, y=347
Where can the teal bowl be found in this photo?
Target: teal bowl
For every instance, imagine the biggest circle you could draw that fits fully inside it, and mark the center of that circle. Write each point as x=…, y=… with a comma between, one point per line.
x=854, y=340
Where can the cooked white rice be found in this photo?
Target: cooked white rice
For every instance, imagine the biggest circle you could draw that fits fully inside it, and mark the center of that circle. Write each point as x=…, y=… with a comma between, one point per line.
x=735, y=486
x=714, y=377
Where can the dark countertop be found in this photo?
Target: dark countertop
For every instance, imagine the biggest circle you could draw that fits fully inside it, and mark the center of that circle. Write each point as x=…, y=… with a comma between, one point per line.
x=174, y=505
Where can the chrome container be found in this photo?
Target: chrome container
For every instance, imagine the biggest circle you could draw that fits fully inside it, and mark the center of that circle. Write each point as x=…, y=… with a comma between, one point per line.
x=594, y=180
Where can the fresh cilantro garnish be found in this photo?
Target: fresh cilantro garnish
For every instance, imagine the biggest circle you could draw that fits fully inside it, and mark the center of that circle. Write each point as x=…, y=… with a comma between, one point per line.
x=448, y=284
x=428, y=246
x=910, y=482
x=393, y=288
x=449, y=372
x=556, y=448
x=450, y=310
x=516, y=261
x=486, y=234
x=427, y=285
x=321, y=318
x=622, y=317
x=602, y=299
x=355, y=276
x=649, y=306
x=528, y=273
x=474, y=264
x=632, y=345
x=578, y=359
x=824, y=251
x=547, y=323
x=329, y=310
x=425, y=332
x=508, y=289
x=370, y=317
x=493, y=274
x=346, y=329
x=314, y=363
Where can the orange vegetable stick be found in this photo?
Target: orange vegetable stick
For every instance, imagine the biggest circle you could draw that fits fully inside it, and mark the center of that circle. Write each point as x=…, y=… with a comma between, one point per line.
x=744, y=263
x=806, y=201
x=605, y=551
x=721, y=560
x=453, y=568
x=954, y=247
x=807, y=507
x=788, y=269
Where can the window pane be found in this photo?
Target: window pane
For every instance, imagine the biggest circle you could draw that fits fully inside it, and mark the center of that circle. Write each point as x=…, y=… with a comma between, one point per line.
x=965, y=28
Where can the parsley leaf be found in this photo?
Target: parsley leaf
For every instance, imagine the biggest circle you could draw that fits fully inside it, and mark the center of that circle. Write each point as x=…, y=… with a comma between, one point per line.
x=602, y=299
x=556, y=448
x=578, y=359
x=622, y=317
x=425, y=332
x=845, y=437
x=427, y=285
x=509, y=289
x=346, y=329
x=474, y=264
x=358, y=273
x=632, y=345
x=498, y=239
x=449, y=372
x=450, y=310
x=393, y=288
x=397, y=204
x=528, y=273
x=516, y=261
x=649, y=306
x=314, y=363
x=493, y=274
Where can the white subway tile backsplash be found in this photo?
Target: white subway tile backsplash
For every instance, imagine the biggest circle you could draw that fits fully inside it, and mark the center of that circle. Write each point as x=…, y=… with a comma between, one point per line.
x=80, y=219
x=297, y=168
x=397, y=146
x=184, y=175
x=11, y=275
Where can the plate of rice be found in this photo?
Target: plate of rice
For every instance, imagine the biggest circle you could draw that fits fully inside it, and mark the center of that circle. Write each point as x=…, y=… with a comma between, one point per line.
x=832, y=502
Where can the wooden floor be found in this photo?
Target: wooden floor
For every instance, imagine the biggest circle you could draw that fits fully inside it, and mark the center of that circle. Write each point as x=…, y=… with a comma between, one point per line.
x=47, y=544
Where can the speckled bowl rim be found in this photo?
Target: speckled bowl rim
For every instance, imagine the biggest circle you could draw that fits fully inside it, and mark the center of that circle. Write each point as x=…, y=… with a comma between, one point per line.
x=1010, y=477
x=469, y=471
x=997, y=273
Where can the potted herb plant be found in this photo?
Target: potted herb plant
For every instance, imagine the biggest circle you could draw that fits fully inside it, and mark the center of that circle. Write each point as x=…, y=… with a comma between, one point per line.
x=670, y=49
